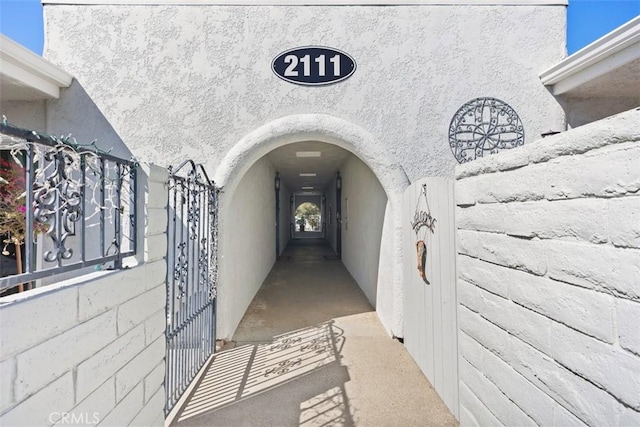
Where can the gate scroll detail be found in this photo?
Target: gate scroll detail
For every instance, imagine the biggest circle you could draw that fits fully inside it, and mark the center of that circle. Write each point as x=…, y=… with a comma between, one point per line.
x=192, y=270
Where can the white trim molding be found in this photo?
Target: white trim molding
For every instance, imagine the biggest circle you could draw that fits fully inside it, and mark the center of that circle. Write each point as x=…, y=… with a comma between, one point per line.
x=313, y=2
x=23, y=67
x=612, y=51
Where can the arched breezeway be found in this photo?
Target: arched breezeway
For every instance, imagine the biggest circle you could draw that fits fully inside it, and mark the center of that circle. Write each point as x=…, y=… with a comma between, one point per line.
x=307, y=318
x=247, y=235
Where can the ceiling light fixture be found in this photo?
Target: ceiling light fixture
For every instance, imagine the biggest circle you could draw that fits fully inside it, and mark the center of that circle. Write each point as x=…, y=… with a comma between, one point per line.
x=307, y=188
x=308, y=174
x=308, y=154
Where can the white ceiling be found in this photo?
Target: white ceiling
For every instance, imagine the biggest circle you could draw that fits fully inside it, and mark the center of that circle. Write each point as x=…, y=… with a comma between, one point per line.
x=325, y=167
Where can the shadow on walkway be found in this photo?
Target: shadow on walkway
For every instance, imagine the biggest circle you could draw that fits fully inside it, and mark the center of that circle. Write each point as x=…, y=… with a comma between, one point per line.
x=296, y=379
x=310, y=351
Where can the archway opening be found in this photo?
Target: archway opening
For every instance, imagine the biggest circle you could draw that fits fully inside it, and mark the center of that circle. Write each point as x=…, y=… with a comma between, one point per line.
x=308, y=219
x=355, y=188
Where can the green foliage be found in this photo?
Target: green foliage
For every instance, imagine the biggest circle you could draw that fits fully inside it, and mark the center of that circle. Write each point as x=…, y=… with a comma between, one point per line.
x=308, y=213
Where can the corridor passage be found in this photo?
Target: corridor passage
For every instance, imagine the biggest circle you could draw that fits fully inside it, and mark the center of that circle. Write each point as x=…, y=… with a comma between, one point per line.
x=310, y=351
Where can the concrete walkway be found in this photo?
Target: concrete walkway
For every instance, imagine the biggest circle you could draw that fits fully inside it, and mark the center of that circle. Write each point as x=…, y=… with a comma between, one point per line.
x=310, y=351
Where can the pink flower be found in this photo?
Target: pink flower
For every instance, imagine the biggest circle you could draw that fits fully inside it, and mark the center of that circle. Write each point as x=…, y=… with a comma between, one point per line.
x=22, y=209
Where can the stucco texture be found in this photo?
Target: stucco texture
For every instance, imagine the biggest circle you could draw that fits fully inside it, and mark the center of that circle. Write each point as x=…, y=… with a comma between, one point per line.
x=26, y=114
x=180, y=82
x=363, y=209
x=247, y=245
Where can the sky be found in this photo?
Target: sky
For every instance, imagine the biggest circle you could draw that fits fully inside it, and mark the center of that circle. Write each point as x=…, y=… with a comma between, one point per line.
x=587, y=20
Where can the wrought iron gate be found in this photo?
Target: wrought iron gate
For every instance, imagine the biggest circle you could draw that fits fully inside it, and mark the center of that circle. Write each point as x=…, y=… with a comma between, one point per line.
x=191, y=276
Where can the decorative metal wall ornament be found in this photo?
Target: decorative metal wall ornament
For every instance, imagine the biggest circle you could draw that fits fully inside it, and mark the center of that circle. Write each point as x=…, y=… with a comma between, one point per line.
x=484, y=126
x=423, y=223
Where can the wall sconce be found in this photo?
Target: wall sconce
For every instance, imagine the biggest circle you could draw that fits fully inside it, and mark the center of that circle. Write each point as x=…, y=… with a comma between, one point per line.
x=277, y=181
x=339, y=182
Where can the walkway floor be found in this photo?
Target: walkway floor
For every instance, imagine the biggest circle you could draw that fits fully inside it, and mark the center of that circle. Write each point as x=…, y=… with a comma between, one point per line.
x=310, y=351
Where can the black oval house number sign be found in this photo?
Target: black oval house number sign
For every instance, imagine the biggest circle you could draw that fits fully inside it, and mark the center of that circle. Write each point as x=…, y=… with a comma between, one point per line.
x=313, y=66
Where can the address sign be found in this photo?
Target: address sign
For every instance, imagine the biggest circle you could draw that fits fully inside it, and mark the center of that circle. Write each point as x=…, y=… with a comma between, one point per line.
x=313, y=66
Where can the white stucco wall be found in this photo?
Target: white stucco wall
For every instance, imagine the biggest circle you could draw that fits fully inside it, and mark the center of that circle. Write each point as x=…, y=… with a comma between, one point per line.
x=330, y=194
x=25, y=114
x=76, y=113
x=191, y=81
x=363, y=208
x=247, y=245
x=285, y=217
x=195, y=81
x=548, y=273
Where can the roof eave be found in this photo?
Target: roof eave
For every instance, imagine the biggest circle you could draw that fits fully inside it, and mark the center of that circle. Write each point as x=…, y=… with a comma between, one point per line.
x=609, y=52
x=20, y=65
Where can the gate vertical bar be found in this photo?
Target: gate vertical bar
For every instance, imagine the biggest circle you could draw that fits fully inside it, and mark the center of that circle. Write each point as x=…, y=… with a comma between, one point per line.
x=30, y=236
x=83, y=196
x=102, y=211
x=117, y=220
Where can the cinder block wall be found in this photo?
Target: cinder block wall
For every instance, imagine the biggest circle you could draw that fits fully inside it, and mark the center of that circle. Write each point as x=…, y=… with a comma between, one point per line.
x=91, y=350
x=549, y=280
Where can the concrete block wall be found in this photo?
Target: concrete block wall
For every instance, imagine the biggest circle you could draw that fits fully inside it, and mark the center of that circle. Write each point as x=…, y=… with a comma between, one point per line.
x=549, y=280
x=90, y=351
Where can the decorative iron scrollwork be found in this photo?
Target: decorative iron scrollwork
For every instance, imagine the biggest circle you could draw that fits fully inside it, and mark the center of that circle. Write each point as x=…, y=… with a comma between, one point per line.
x=181, y=269
x=203, y=265
x=213, y=241
x=57, y=202
x=193, y=210
x=191, y=276
x=72, y=194
x=484, y=126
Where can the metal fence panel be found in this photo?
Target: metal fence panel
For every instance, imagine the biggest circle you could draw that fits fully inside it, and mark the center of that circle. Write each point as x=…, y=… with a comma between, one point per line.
x=70, y=195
